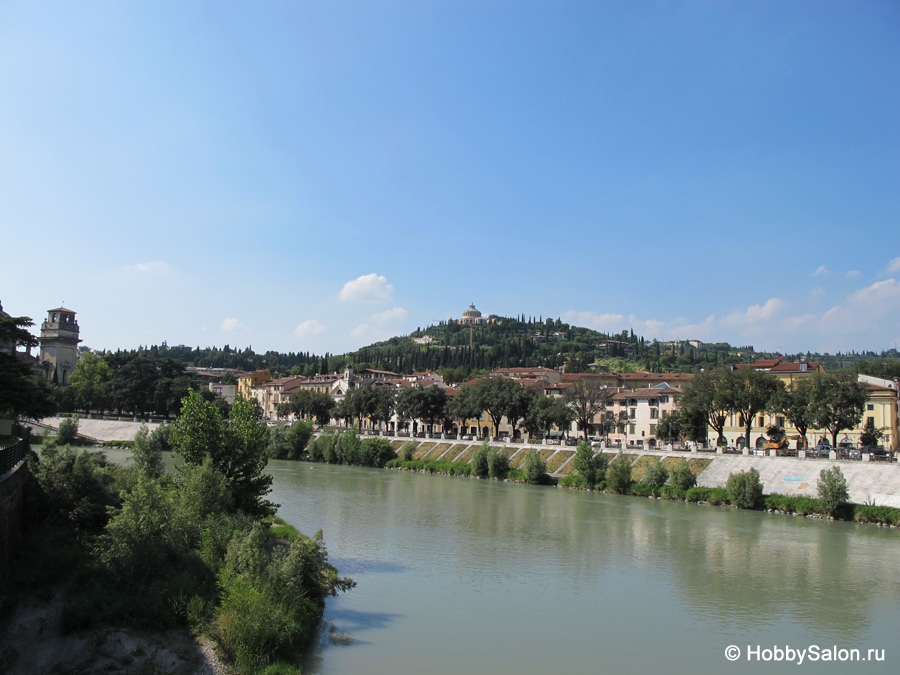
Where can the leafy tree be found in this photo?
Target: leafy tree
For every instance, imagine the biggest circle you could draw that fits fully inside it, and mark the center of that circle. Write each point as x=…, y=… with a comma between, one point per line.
x=840, y=403
x=705, y=396
x=480, y=460
x=407, y=450
x=90, y=382
x=535, y=468
x=498, y=464
x=147, y=456
x=618, y=474
x=870, y=436
x=383, y=409
x=236, y=445
x=832, y=489
x=546, y=412
x=501, y=397
x=427, y=404
x=585, y=463
x=748, y=392
x=22, y=393
x=798, y=405
x=656, y=476
x=289, y=442
x=745, y=489
x=463, y=407
x=670, y=428
x=587, y=398
x=67, y=433
x=682, y=477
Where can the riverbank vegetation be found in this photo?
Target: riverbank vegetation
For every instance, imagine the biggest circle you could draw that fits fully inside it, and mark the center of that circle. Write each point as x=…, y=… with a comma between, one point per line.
x=199, y=549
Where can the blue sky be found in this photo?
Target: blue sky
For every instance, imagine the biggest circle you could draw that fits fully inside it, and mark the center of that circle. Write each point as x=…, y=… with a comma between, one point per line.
x=315, y=176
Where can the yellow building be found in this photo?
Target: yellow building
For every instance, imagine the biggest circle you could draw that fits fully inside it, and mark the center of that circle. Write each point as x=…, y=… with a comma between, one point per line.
x=247, y=381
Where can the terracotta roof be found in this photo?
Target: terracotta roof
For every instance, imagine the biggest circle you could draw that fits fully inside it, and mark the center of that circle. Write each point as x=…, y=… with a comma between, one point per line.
x=765, y=363
x=62, y=309
x=641, y=376
x=530, y=370
x=380, y=372
x=625, y=394
x=794, y=367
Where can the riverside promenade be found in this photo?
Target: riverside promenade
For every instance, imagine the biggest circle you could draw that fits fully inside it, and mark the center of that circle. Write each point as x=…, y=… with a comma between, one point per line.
x=869, y=482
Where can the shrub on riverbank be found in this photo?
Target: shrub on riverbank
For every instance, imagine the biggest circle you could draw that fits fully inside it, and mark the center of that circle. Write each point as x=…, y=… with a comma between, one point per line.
x=803, y=506
x=534, y=468
x=884, y=515
x=682, y=477
x=618, y=474
x=832, y=490
x=713, y=496
x=432, y=466
x=745, y=489
x=165, y=551
x=347, y=448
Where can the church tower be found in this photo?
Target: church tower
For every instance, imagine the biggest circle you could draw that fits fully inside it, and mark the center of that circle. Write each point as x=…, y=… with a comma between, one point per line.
x=59, y=344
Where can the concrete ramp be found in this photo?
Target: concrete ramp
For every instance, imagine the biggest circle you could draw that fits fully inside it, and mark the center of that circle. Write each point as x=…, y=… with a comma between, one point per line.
x=876, y=482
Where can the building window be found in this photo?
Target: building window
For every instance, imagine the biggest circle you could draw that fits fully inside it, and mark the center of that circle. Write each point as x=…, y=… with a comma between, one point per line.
x=663, y=399
x=870, y=406
x=761, y=421
x=779, y=422
x=653, y=430
x=631, y=414
x=654, y=413
x=631, y=429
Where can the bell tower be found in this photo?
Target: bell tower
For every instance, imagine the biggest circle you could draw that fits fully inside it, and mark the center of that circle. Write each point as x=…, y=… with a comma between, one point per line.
x=59, y=344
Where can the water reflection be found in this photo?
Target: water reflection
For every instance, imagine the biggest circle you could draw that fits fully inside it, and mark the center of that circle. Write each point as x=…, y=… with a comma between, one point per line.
x=443, y=563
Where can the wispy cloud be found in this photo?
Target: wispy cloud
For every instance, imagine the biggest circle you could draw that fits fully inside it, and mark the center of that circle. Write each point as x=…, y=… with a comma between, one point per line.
x=371, y=289
x=852, y=274
x=894, y=266
x=395, y=314
x=309, y=328
x=152, y=266
x=821, y=271
x=232, y=325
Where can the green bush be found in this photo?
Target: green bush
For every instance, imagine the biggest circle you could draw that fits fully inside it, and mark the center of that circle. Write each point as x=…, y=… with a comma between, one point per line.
x=376, y=452
x=641, y=489
x=803, y=506
x=535, y=468
x=480, y=461
x=656, y=476
x=886, y=515
x=832, y=489
x=682, y=477
x=711, y=495
x=672, y=492
x=618, y=474
x=498, y=464
x=73, y=486
x=146, y=457
x=585, y=463
x=407, y=450
x=289, y=442
x=745, y=489
x=67, y=433
x=574, y=481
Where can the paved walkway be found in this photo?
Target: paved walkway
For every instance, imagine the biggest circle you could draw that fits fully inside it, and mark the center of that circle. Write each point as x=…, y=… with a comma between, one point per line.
x=99, y=429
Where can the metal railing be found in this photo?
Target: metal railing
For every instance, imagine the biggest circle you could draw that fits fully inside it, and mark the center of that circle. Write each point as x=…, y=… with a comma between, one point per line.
x=12, y=455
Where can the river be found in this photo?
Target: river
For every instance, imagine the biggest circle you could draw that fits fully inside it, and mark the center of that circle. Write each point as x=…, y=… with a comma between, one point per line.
x=457, y=575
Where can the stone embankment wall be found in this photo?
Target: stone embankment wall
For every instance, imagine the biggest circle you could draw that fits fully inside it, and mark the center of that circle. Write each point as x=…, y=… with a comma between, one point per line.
x=869, y=482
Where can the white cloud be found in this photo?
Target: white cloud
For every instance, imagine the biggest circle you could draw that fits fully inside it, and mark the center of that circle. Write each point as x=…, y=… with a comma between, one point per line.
x=309, y=327
x=232, y=325
x=754, y=314
x=605, y=323
x=361, y=330
x=852, y=274
x=371, y=289
x=395, y=314
x=821, y=271
x=894, y=266
x=152, y=266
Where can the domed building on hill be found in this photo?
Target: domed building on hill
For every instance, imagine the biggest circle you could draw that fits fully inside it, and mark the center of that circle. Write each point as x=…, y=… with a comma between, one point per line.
x=472, y=317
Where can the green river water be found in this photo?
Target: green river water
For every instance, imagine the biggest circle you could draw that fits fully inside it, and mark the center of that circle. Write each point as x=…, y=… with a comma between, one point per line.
x=472, y=576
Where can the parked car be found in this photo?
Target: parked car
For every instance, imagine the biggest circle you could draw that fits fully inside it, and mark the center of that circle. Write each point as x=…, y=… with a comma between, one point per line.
x=821, y=450
x=595, y=442
x=854, y=453
x=571, y=441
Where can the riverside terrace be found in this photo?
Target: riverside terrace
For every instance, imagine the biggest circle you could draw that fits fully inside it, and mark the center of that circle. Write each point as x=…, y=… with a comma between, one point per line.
x=868, y=481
